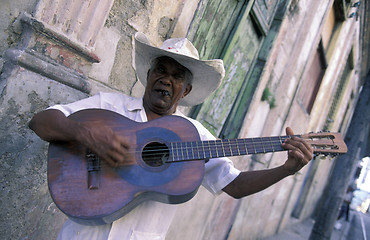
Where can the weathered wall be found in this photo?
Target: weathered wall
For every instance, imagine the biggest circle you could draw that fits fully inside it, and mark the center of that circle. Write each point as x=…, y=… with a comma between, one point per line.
x=297, y=41
x=8, y=13
x=25, y=201
x=27, y=211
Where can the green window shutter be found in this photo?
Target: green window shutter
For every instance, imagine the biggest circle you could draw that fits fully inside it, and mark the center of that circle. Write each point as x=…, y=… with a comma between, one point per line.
x=233, y=31
x=212, y=26
x=238, y=59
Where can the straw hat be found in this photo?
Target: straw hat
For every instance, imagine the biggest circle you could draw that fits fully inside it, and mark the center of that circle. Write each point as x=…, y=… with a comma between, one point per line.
x=207, y=75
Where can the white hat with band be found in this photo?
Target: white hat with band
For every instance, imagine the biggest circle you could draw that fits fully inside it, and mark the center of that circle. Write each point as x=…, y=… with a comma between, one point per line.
x=207, y=74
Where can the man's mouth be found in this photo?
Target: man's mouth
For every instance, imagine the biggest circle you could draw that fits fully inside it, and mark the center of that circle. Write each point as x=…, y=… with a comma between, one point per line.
x=164, y=93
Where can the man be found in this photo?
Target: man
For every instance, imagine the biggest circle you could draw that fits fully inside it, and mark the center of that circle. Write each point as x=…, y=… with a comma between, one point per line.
x=172, y=75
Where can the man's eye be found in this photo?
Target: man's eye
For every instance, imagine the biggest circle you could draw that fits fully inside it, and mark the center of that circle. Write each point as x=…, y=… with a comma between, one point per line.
x=160, y=69
x=179, y=76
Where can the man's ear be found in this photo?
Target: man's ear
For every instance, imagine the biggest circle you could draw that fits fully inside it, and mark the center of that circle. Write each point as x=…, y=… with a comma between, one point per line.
x=187, y=90
x=147, y=74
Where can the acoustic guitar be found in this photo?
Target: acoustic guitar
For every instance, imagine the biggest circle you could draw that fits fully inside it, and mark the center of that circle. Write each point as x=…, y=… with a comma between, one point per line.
x=169, y=165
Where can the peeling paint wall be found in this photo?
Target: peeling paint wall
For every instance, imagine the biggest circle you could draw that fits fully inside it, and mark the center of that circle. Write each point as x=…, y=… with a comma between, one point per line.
x=37, y=72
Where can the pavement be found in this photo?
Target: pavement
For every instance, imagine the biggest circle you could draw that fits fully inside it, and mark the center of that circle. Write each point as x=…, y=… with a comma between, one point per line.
x=302, y=230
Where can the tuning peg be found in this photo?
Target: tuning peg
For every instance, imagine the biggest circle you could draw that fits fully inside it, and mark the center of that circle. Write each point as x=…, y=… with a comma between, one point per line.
x=357, y=4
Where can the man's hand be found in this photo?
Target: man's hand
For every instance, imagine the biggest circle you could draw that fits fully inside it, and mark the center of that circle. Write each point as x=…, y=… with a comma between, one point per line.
x=250, y=182
x=51, y=125
x=299, y=152
x=108, y=145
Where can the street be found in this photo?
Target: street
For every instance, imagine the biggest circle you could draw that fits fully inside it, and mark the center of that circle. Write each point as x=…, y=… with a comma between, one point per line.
x=360, y=226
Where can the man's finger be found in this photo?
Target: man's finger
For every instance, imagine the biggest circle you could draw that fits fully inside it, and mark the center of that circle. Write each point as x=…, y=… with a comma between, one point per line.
x=110, y=161
x=289, y=131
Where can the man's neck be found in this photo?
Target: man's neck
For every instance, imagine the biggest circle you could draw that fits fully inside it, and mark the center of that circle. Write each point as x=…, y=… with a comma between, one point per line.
x=153, y=115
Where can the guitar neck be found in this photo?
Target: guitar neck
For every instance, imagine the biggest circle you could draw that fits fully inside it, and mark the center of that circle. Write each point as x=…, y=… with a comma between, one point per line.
x=185, y=151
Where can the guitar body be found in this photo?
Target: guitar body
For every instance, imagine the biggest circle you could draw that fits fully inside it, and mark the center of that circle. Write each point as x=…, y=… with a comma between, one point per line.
x=101, y=194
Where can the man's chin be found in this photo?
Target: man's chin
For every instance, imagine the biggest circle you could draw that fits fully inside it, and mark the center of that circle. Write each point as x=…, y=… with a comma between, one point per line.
x=161, y=107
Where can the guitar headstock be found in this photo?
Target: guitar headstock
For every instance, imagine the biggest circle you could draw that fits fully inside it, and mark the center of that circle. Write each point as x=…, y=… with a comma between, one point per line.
x=326, y=143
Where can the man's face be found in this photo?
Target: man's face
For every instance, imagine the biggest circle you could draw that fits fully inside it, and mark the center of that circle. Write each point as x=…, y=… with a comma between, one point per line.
x=167, y=82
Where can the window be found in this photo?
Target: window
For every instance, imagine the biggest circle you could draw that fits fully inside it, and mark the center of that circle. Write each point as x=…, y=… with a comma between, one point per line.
x=315, y=71
x=340, y=88
x=313, y=78
x=238, y=43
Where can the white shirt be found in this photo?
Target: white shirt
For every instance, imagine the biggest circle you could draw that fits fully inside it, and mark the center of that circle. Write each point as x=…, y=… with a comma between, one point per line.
x=149, y=220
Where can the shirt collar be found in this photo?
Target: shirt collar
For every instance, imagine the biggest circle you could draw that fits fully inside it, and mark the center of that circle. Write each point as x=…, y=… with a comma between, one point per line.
x=135, y=104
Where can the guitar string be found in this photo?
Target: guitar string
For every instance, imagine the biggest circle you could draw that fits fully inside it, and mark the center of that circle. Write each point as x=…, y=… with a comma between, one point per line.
x=214, y=145
x=257, y=144
x=236, y=143
x=155, y=153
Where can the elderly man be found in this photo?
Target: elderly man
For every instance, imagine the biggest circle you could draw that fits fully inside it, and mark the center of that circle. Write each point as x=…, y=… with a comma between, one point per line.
x=172, y=75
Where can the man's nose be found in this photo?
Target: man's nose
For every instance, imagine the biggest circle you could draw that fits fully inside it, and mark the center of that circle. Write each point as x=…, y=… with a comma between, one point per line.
x=166, y=80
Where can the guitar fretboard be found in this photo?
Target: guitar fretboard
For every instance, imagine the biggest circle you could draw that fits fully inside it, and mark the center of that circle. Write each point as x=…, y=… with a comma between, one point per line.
x=185, y=151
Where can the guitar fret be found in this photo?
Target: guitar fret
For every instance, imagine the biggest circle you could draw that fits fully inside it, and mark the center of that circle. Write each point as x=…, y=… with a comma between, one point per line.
x=178, y=151
x=281, y=142
x=234, y=147
x=187, y=150
x=237, y=146
x=245, y=145
x=248, y=145
x=210, y=150
x=198, y=150
x=216, y=148
x=173, y=151
x=227, y=149
x=241, y=150
x=231, y=150
x=263, y=145
x=182, y=151
x=212, y=155
x=254, y=147
x=220, y=148
x=204, y=151
x=172, y=155
x=192, y=150
x=277, y=145
x=272, y=146
x=223, y=148
x=257, y=145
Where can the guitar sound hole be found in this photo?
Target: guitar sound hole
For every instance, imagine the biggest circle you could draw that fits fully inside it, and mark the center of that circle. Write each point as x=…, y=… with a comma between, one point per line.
x=155, y=154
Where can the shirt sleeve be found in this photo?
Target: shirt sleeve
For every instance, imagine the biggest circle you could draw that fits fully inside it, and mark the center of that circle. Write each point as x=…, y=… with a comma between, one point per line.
x=68, y=109
x=219, y=172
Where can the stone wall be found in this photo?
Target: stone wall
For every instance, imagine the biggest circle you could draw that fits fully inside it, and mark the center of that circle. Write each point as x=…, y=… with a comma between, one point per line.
x=47, y=61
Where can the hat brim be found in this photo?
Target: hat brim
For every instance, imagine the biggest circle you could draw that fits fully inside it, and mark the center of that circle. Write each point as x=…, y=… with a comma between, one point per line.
x=207, y=75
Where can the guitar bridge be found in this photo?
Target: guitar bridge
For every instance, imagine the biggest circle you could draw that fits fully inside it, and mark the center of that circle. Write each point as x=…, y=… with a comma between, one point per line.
x=93, y=170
